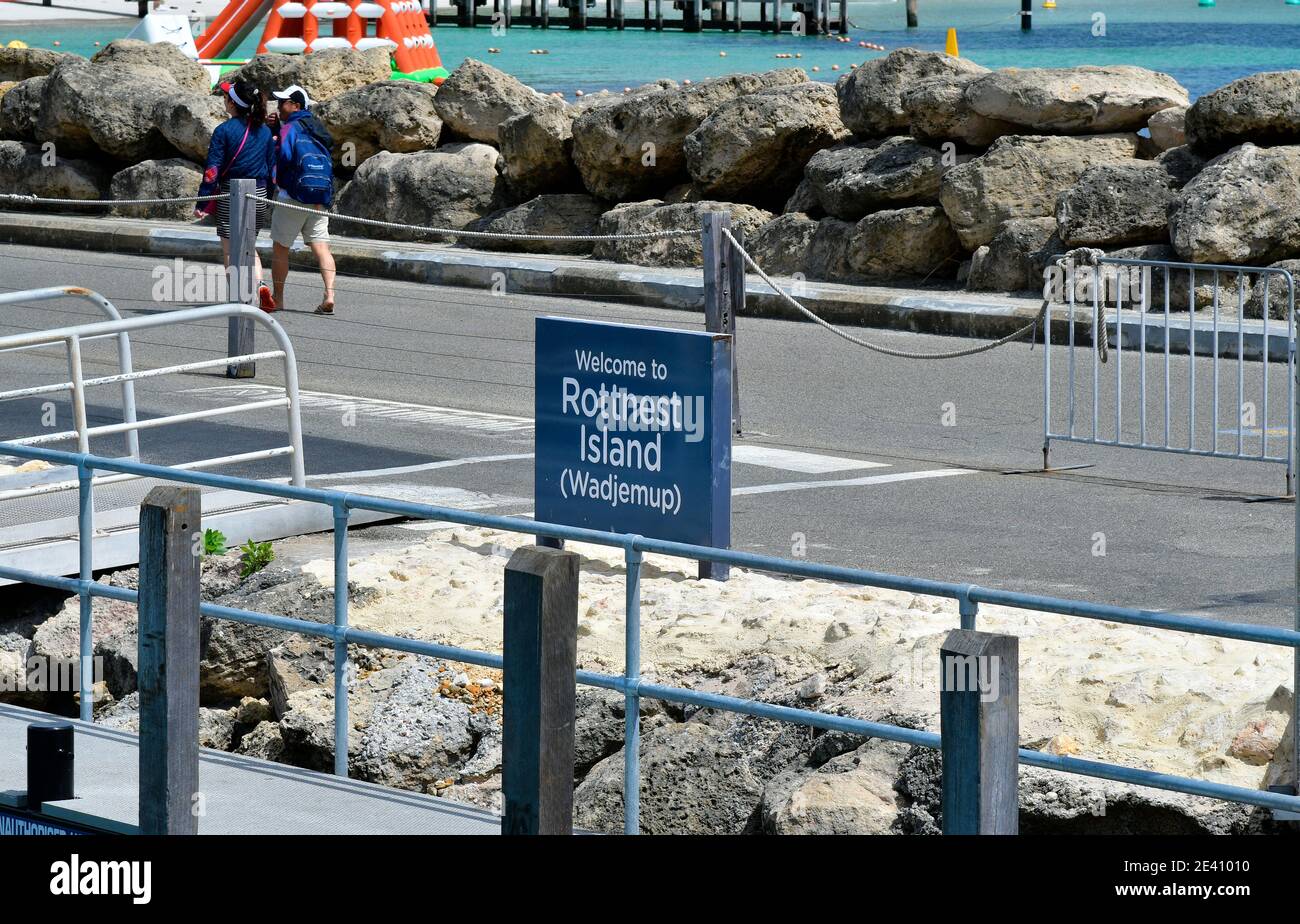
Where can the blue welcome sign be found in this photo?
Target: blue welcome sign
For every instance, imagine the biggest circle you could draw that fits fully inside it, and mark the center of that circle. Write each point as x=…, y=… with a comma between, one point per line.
x=634, y=431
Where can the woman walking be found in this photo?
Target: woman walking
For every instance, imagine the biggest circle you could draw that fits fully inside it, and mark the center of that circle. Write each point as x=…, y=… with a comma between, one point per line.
x=242, y=148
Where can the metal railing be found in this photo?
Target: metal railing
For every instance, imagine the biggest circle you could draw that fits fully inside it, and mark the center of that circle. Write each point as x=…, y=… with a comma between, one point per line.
x=1122, y=292
x=123, y=344
x=968, y=598
x=72, y=338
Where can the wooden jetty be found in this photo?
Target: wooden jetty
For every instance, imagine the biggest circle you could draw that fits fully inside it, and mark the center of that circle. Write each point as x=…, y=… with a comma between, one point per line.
x=811, y=17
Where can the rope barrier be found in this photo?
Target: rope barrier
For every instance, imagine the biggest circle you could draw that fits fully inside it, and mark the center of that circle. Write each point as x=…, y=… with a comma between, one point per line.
x=38, y=200
x=1090, y=256
x=498, y=235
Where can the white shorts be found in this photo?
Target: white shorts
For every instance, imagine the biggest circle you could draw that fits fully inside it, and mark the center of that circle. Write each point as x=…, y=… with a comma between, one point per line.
x=287, y=224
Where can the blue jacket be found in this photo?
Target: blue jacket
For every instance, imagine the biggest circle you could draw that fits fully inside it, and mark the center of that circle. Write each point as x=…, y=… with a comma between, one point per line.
x=256, y=159
x=286, y=167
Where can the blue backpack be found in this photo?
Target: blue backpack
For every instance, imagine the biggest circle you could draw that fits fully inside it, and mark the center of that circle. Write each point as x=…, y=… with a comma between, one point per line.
x=313, y=182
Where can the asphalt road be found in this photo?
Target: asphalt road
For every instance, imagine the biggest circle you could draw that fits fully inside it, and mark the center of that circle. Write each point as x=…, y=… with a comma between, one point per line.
x=410, y=375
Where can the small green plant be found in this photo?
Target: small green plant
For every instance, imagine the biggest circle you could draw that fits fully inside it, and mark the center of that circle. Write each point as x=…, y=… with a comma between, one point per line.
x=214, y=542
x=253, y=557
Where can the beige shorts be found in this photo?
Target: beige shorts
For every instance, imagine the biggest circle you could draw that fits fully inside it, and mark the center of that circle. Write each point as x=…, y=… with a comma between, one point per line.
x=287, y=224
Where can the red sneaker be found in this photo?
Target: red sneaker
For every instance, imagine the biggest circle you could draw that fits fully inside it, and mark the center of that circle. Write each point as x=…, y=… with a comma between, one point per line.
x=265, y=300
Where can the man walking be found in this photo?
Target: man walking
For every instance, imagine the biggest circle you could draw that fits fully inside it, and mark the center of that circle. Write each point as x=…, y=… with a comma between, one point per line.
x=304, y=175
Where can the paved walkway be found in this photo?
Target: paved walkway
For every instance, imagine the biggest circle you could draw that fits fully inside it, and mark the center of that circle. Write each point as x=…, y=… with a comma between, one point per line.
x=237, y=791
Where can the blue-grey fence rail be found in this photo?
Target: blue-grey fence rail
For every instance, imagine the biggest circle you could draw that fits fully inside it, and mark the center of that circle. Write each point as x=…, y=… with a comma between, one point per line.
x=630, y=684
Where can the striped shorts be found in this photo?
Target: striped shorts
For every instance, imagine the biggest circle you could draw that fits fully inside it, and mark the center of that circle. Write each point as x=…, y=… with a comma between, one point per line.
x=223, y=212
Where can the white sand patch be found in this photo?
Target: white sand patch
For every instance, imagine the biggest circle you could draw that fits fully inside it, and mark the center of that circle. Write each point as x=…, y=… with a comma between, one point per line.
x=1161, y=700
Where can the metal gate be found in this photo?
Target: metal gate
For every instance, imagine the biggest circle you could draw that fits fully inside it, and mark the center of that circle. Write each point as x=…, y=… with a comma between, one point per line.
x=1225, y=382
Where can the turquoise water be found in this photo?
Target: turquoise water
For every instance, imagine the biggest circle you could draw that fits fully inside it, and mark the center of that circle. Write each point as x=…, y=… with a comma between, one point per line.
x=1203, y=48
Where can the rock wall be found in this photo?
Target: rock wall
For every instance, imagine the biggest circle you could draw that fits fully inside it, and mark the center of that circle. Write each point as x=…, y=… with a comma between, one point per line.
x=1207, y=708
x=915, y=165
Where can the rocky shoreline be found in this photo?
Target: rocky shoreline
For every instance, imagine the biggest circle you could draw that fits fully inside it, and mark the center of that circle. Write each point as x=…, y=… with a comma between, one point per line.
x=914, y=166
x=1175, y=703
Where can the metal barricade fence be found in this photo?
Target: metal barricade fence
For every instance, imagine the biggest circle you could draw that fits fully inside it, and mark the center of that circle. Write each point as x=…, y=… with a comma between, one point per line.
x=1212, y=399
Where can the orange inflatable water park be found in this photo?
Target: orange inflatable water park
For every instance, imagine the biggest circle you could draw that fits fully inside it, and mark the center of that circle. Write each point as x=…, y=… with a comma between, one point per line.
x=305, y=26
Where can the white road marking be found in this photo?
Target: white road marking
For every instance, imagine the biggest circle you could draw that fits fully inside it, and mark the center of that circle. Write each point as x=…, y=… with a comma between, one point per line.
x=436, y=415
x=851, y=482
x=422, y=467
x=791, y=461
x=440, y=496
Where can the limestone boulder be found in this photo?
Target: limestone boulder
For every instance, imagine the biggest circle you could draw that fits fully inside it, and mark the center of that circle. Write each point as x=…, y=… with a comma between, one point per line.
x=446, y=188
x=392, y=115
x=187, y=121
x=754, y=148
x=635, y=147
x=555, y=214
x=1260, y=108
x=938, y=111
x=105, y=110
x=25, y=169
x=1115, y=205
x=852, y=793
x=1244, y=207
x=1021, y=176
x=1182, y=163
x=20, y=107
x=804, y=200
x=1167, y=127
x=1087, y=99
x=57, y=641
x=851, y=180
x=1276, y=296
x=871, y=95
x=828, y=254
x=157, y=179
x=781, y=246
x=655, y=216
x=477, y=98
x=188, y=74
x=1184, y=290
x=908, y=242
x=323, y=74
x=537, y=151
x=19, y=64
x=1014, y=259
x=695, y=780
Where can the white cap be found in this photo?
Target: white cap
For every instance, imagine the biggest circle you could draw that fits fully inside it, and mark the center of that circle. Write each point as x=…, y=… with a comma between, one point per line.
x=295, y=93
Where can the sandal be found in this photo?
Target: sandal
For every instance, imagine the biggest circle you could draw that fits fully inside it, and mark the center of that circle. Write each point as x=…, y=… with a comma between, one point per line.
x=323, y=308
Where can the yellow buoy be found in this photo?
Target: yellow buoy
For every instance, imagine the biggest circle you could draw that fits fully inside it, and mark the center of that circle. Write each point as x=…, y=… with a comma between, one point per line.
x=17, y=43
x=1049, y=4
x=951, y=45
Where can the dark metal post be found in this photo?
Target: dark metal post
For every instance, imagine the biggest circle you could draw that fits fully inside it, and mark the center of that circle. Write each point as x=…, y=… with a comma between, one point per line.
x=979, y=723
x=50, y=756
x=911, y=14
x=540, y=645
x=1026, y=14
x=242, y=275
x=724, y=291
x=168, y=676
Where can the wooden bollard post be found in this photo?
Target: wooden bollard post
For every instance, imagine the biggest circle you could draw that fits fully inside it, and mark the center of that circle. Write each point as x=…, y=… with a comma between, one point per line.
x=242, y=276
x=980, y=725
x=724, y=292
x=168, y=675
x=541, y=654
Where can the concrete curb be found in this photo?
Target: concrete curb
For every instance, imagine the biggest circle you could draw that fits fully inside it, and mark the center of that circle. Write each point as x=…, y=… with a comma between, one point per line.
x=939, y=312
x=948, y=313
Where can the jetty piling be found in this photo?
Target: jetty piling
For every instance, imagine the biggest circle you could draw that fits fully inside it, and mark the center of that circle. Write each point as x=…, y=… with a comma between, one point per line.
x=820, y=17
